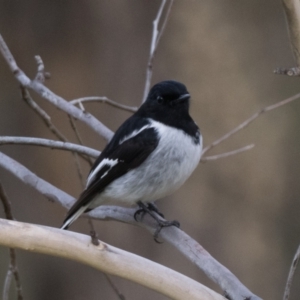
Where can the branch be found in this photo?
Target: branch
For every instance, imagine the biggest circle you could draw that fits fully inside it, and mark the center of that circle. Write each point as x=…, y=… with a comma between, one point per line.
x=249, y=121
x=42, y=114
x=104, y=100
x=176, y=237
x=226, y=154
x=156, y=36
x=7, y=284
x=54, y=99
x=9, y=140
x=291, y=274
x=13, y=267
x=292, y=13
x=78, y=247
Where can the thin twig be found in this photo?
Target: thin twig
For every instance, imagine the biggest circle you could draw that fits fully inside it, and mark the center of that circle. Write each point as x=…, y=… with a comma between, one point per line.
x=250, y=120
x=114, y=287
x=10, y=140
x=42, y=114
x=291, y=274
x=13, y=268
x=54, y=99
x=76, y=159
x=226, y=154
x=7, y=284
x=104, y=100
x=156, y=35
x=74, y=127
x=47, y=120
x=165, y=21
x=41, y=75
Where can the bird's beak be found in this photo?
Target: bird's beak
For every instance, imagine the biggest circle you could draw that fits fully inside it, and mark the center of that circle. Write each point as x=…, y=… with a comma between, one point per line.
x=182, y=98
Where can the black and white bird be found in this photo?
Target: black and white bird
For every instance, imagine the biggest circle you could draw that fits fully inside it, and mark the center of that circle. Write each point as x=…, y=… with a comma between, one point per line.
x=150, y=156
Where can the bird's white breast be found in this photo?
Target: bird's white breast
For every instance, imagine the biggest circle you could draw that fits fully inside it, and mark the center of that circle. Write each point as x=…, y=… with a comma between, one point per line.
x=164, y=171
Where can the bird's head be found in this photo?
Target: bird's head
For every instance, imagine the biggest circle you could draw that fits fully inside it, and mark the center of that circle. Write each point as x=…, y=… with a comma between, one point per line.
x=168, y=96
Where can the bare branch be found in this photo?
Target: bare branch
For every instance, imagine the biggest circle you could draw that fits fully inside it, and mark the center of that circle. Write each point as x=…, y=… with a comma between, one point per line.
x=292, y=12
x=42, y=114
x=6, y=140
x=13, y=268
x=291, y=274
x=156, y=35
x=41, y=75
x=226, y=154
x=49, y=191
x=7, y=284
x=104, y=257
x=104, y=100
x=249, y=121
x=114, y=287
x=54, y=99
x=165, y=21
x=47, y=120
x=176, y=237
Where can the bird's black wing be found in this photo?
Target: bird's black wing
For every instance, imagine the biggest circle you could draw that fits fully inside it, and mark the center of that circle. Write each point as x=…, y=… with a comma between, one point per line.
x=116, y=161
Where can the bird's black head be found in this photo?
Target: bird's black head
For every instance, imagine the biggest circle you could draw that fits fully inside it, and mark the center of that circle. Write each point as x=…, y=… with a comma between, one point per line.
x=168, y=95
x=167, y=102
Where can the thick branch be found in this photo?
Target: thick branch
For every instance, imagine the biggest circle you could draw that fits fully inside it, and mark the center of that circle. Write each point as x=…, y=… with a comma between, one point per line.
x=104, y=257
x=180, y=240
x=54, y=99
x=11, y=140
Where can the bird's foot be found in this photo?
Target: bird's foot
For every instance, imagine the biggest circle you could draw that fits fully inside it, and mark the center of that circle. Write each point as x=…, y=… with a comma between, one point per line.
x=152, y=210
x=150, y=207
x=163, y=224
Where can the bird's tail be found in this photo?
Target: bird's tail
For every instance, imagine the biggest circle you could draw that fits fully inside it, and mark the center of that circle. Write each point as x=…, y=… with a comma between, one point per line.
x=73, y=216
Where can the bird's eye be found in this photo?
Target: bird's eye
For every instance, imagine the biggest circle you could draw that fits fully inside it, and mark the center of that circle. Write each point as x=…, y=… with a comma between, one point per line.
x=160, y=99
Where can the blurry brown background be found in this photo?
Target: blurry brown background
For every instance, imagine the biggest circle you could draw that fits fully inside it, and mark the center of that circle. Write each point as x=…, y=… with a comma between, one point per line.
x=244, y=209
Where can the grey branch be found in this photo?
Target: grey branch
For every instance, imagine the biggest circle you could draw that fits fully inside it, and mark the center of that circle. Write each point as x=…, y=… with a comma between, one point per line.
x=291, y=274
x=42, y=114
x=7, y=284
x=249, y=121
x=6, y=140
x=292, y=13
x=176, y=237
x=13, y=267
x=104, y=100
x=54, y=99
x=226, y=154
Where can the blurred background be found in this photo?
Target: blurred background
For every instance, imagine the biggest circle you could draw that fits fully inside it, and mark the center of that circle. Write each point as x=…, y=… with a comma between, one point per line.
x=243, y=209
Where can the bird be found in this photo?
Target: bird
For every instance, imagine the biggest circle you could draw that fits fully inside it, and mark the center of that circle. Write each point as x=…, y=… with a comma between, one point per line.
x=149, y=157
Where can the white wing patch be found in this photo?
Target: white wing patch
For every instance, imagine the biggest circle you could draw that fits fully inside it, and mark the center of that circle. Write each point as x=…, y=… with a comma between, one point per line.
x=133, y=134
x=105, y=161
